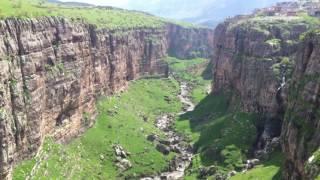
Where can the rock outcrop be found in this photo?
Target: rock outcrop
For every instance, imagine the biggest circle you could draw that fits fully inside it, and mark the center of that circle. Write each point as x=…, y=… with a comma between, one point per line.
x=301, y=127
x=252, y=60
x=246, y=53
x=53, y=70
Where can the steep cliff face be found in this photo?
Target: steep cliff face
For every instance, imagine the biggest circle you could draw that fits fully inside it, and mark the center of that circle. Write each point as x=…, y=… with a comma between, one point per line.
x=246, y=58
x=189, y=42
x=53, y=70
x=252, y=59
x=300, y=131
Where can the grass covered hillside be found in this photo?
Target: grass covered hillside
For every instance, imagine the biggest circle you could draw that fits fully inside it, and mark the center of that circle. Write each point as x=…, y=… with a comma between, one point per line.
x=269, y=169
x=103, y=17
x=222, y=135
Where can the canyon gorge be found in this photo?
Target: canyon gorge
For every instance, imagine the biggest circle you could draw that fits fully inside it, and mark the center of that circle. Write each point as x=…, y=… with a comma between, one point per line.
x=53, y=71
x=72, y=80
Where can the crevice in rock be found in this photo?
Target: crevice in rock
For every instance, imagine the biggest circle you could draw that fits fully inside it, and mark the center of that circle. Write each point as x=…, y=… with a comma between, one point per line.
x=93, y=35
x=19, y=131
x=309, y=51
x=13, y=110
x=130, y=68
x=111, y=62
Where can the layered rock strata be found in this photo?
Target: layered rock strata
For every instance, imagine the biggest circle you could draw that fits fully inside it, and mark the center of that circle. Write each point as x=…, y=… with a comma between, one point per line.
x=254, y=58
x=53, y=70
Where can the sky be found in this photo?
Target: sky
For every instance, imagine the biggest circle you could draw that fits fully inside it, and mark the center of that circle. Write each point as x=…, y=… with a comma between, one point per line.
x=196, y=10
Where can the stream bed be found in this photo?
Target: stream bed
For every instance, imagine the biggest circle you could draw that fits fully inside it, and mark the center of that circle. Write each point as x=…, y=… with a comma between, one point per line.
x=177, y=143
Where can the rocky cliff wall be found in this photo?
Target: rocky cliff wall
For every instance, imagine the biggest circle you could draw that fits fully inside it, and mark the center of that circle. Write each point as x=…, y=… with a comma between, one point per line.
x=190, y=42
x=53, y=70
x=300, y=131
x=251, y=57
x=253, y=60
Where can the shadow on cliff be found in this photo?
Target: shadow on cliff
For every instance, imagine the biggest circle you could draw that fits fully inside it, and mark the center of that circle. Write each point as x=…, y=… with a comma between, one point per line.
x=224, y=135
x=204, y=121
x=207, y=73
x=212, y=106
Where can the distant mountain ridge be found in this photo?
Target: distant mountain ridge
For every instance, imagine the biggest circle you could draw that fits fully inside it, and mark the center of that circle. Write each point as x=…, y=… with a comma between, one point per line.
x=72, y=3
x=205, y=12
x=209, y=12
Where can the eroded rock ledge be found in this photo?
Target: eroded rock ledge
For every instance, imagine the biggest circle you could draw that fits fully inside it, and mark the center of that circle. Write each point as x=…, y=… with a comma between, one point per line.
x=53, y=70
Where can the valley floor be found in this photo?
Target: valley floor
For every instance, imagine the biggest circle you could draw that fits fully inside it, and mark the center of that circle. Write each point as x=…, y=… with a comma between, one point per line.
x=221, y=136
x=125, y=120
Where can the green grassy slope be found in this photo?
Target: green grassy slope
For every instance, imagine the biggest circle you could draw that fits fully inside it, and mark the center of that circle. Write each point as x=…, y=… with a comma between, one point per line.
x=102, y=17
x=222, y=136
x=111, y=18
x=268, y=170
x=120, y=121
x=195, y=72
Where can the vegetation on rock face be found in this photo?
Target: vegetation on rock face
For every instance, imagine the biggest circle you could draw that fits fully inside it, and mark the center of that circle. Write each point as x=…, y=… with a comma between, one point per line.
x=266, y=24
x=313, y=164
x=316, y=159
x=126, y=120
x=270, y=169
x=274, y=42
x=283, y=68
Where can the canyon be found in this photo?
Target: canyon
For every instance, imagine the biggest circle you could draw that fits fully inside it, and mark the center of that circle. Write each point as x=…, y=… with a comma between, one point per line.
x=58, y=73
x=54, y=70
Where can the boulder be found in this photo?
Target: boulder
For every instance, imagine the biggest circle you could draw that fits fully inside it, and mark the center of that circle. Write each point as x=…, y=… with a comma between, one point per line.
x=253, y=161
x=232, y=173
x=167, y=98
x=119, y=151
x=152, y=137
x=176, y=149
x=165, y=142
x=145, y=118
x=124, y=164
x=163, y=149
x=101, y=157
x=207, y=171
